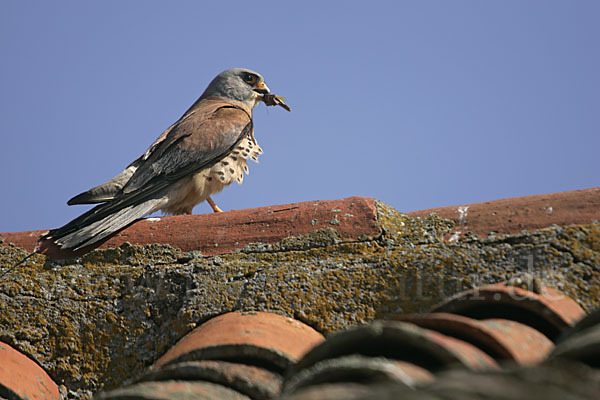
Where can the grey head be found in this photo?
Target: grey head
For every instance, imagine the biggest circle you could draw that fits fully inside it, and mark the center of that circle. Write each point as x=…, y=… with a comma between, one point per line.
x=237, y=84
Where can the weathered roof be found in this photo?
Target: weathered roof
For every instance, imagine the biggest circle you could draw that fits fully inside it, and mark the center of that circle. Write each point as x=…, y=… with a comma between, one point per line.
x=96, y=321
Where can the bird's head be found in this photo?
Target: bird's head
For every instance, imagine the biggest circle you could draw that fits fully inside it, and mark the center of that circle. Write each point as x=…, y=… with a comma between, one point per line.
x=238, y=84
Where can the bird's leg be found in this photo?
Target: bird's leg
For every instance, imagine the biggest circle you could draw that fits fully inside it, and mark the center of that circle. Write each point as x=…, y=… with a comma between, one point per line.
x=214, y=206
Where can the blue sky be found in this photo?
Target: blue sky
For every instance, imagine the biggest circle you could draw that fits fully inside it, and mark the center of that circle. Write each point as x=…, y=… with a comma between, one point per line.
x=419, y=104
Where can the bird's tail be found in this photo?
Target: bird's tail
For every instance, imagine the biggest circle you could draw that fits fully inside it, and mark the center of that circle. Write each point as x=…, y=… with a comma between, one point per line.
x=97, y=224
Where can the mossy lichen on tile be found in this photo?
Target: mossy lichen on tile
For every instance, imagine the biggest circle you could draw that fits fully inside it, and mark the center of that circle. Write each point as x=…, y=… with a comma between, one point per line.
x=120, y=309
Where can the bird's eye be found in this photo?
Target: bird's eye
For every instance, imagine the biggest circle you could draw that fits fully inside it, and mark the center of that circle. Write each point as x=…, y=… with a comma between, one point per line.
x=249, y=79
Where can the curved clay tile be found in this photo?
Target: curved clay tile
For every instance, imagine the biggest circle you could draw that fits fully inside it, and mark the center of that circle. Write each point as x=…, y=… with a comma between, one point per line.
x=262, y=337
x=22, y=378
x=226, y=232
x=516, y=214
x=549, y=312
x=500, y=338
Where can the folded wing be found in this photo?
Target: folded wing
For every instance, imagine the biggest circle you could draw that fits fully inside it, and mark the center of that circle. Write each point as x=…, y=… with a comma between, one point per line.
x=205, y=134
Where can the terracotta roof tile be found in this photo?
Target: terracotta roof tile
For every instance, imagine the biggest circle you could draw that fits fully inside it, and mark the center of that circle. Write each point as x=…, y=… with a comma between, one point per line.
x=358, y=368
x=550, y=312
x=322, y=370
x=357, y=391
x=581, y=343
x=501, y=339
x=226, y=232
x=22, y=378
x=521, y=213
x=261, y=337
x=353, y=217
x=398, y=341
x=250, y=380
x=545, y=381
x=172, y=390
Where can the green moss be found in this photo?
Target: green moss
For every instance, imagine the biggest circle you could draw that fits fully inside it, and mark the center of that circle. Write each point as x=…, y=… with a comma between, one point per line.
x=129, y=254
x=403, y=229
x=317, y=238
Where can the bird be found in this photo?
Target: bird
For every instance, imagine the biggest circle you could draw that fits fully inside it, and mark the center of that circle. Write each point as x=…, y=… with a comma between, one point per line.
x=205, y=150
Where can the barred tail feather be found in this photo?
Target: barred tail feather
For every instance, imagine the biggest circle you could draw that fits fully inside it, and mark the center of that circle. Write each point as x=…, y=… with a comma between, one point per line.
x=97, y=224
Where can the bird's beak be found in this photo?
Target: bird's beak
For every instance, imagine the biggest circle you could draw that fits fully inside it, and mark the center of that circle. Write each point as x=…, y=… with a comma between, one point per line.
x=262, y=88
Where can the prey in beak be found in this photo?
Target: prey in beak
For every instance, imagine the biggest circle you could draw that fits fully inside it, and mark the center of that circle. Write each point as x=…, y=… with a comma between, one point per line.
x=268, y=98
x=274, y=100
